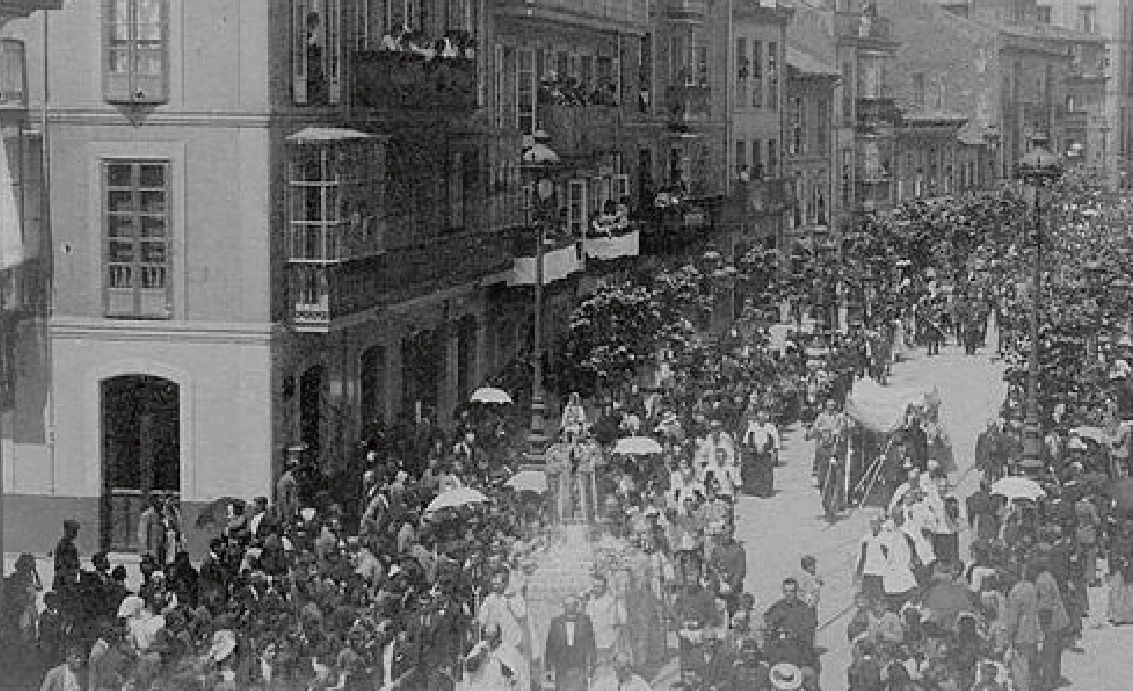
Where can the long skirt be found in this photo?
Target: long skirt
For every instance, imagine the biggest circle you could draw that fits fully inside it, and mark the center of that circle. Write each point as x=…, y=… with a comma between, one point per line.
x=1120, y=609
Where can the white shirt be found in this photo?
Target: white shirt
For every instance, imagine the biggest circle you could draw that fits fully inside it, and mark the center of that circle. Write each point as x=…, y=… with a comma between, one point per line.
x=607, y=616
x=762, y=435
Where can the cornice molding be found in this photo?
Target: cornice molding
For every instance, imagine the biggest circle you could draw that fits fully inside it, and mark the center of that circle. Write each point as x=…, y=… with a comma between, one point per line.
x=209, y=333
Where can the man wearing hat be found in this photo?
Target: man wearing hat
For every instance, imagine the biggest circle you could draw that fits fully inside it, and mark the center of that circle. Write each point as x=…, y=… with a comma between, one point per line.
x=571, y=653
x=66, y=557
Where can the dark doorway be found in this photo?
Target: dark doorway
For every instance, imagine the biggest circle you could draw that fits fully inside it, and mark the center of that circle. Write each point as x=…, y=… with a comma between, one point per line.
x=141, y=451
x=373, y=383
x=422, y=358
x=310, y=407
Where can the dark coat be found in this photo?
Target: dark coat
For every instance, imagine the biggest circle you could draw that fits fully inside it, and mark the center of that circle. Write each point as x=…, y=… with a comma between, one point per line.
x=581, y=655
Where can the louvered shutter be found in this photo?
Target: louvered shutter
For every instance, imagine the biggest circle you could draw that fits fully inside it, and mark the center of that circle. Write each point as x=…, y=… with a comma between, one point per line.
x=333, y=55
x=150, y=59
x=117, y=44
x=299, y=9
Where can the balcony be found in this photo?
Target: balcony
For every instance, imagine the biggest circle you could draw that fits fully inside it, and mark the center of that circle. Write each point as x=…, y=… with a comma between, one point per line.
x=580, y=131
x=874, y=113
x=561, y=258
x=688, y=102
x=13, y=9
x=686, y=10
x=613, y=246
x=322, y=293
x=389, y=80
x=596, y=14
x=857, y=25
x=13, y=91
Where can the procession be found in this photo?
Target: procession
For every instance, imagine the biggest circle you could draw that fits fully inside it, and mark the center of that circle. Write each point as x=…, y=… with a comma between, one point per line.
x=611, y=561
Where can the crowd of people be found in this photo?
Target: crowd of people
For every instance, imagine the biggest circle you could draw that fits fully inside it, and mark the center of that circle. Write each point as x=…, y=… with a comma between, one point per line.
x=417, y=565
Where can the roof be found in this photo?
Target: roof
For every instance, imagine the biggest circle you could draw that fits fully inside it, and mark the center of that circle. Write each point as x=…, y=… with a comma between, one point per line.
x=809, y=65
x=933, y=115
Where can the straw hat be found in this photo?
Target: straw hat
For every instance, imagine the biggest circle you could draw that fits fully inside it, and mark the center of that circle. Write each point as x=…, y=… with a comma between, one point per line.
x=223, y=645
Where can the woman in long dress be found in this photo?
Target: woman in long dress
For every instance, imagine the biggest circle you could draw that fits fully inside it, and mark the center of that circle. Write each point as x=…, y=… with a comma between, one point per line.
x=898, y=349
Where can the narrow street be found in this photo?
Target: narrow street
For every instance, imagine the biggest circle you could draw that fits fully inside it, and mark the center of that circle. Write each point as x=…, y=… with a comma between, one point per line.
x=776, y=532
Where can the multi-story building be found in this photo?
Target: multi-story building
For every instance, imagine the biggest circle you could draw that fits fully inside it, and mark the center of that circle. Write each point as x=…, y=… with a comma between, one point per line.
x=1106, y=129
x=271, y=222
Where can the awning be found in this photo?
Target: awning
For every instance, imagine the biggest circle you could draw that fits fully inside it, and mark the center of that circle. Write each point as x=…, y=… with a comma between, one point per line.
x=613, y=247
x=11, y=230
x=557, y=265
x=327, y=134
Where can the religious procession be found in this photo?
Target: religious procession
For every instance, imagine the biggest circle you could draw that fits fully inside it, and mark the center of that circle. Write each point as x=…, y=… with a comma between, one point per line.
x=610, y=559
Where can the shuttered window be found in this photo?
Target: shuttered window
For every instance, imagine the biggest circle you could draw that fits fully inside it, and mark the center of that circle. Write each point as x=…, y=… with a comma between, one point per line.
x=136, y=239
x=576, y=210
x=136, y=51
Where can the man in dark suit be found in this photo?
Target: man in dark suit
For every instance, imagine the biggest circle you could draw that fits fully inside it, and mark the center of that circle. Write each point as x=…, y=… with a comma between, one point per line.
x=571, y=651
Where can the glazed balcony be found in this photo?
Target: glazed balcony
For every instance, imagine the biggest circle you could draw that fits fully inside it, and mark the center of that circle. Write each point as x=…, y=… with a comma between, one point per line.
x=561, y=258
x=325, y=292
x=595, y=14
x=401, y=80
x=580, y=131
x=13, y=85
x=686, y=10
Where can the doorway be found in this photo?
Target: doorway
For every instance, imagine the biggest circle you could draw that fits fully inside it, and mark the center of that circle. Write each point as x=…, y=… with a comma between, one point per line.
x=141, y=451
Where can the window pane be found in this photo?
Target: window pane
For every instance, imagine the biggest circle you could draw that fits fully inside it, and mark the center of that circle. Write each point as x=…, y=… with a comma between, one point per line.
x=153, y=252
x=153, y=202
x=153, y=226
x=119, y=201
x=119, y=251
x=149, y=11
x=153, y=276
x=120, y=226
x=122, y=20
x=152, y=175
x=119, y=174
x=119, y=59
x=148, y=60
x=120, y=276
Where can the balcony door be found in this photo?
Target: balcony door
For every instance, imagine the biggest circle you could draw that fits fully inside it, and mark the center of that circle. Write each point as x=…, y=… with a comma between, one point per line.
x=141, y=452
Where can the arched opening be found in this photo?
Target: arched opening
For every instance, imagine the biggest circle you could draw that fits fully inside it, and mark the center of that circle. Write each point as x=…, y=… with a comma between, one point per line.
x=141, y=451
x=373, y=388
x=310, y=406
x=422, y=358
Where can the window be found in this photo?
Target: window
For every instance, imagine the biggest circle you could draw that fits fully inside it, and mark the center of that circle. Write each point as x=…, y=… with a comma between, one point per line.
x=678, y=69
x=822, y=124
x=576, y=208
x=645, y=74
x=798, y=146
x=621, y=188
x=847, y=93
x=700, y=64
x=498, y=84
x=772, y=158
x=136, y=34
x=918, y=90
x=756, y=160
x=135, y=231
x=772, y=75
x=525, y=92
x=456, y=180
x=1044, y=14
x=741, y=156
x=316, y=52
x=757, y=74
x=847, y=188
x=1088, y=18
x=743, y=69
x=586, y=72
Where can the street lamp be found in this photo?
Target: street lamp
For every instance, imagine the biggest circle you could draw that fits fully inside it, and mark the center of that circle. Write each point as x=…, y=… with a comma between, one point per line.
x=1038, y=171
x=538, y=159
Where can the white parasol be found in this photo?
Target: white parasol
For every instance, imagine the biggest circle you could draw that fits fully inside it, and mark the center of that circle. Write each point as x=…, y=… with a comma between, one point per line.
x=637, y=446
x=528, y=481
x=490, y=395
x=1095, y=434
x=456, y=498
x=1018, y=488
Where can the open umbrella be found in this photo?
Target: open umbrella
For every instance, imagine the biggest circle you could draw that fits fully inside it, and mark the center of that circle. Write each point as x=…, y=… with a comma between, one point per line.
x=637, y=446
x=456, y=498
x=1095, y=434
x=528, y=481
x=490, y=395
x=1018, y=488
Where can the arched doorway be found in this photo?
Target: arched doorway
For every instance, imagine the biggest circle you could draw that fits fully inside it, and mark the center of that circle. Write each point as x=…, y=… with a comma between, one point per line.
x=141, y=451
x=310, y=406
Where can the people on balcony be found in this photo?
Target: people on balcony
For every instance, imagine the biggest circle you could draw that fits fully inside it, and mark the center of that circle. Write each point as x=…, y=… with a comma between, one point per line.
x=568, y=91
x=453, y=45
x=613, y=219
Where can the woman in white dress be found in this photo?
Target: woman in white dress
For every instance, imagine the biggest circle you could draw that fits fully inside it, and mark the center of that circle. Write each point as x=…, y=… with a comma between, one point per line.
x=898, y=349
x=898, y=578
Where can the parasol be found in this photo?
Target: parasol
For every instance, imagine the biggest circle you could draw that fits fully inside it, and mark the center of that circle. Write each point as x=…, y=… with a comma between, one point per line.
x=215, y=513
x=456, y=498
x=1018, y=488
x=490, y=395
x=637, y=446
x=528, y=481
x=1095, y=434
